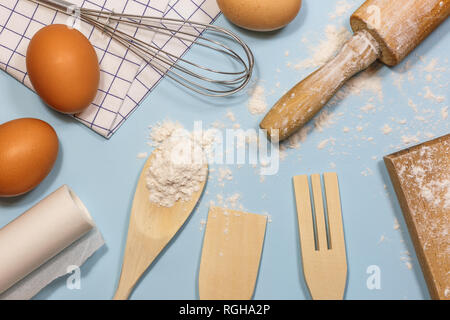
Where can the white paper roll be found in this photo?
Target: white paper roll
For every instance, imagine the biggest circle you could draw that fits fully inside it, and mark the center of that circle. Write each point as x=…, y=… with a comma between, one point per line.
x=40, y=233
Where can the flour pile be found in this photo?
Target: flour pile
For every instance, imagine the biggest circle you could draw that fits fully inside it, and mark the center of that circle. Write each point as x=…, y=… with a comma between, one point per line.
x=179, y=167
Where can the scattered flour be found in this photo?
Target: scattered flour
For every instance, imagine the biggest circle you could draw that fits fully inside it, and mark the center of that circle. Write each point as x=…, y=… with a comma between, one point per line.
x=386, y=129
x=412, y=105
x=367, y=172
x=431, y=96
x=218, y=125
x=366, y=81
x=297, y=138
x=342, y=8
x=444, y=113
x=325, y=142
x=406, y=258
x=398, y=82
x=327, y=48
x=431, y=66
x=230, y=115
x=411, y=77
x=410, y=139
x=202, y=224
x=396, y=224
x=230, y=202
x=368, y=107
x=225, y=174
x=142, y=155
x=324, y=120
x=257, y=101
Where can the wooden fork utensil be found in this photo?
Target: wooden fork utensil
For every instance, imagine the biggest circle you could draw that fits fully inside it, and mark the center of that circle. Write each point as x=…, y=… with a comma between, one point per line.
x=321, y=236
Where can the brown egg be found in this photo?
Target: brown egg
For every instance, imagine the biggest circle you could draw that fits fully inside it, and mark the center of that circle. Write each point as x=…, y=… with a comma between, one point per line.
x=63, y=68
x=28, y=151
x=260, y=15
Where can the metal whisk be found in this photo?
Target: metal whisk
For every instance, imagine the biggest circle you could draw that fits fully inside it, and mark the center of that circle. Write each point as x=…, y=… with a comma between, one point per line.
x=201, y=79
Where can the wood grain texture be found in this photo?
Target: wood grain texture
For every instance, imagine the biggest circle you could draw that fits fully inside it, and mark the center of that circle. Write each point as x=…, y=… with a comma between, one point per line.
x=150, y=230
x=324, y=261
x=231, y=254
x=420, y=176
x=399, y=26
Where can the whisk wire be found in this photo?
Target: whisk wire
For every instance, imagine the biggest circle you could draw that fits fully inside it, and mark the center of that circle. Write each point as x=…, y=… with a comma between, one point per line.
x=168, y=31
x=140, y=50
x=230, y=52
x=178, y=77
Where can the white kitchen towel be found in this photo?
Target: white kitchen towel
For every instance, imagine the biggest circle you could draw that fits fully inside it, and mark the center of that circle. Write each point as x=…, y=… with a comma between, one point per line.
x=125, y=79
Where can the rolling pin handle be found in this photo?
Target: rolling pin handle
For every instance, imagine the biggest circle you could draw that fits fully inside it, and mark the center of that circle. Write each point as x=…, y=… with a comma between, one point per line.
x=306, y=99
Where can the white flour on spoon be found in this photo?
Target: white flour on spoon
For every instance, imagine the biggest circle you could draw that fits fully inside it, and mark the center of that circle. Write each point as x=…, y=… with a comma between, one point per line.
x=179, y=166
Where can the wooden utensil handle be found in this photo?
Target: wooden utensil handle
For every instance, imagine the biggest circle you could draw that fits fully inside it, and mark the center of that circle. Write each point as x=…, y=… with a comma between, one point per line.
x=123, y=292
x=134, y=262
x=304, y=100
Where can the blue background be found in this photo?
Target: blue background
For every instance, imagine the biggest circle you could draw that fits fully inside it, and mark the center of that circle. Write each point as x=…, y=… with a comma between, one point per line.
x=104, y=172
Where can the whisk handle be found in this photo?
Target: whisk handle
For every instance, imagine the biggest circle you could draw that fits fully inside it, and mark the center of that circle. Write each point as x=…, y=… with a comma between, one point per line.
x=61, y=5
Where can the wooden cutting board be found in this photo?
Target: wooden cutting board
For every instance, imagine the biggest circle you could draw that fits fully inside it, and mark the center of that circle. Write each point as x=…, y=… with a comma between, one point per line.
x=421, y=179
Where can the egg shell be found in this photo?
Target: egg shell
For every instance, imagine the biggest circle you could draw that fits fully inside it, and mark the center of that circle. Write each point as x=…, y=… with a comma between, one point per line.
x=28, y=151
x=260, y=15
x=63, y=68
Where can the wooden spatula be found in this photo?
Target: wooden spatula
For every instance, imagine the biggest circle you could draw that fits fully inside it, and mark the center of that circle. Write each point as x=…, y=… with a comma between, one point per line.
x=151, y=228
x=231, y=254
x=321, y=237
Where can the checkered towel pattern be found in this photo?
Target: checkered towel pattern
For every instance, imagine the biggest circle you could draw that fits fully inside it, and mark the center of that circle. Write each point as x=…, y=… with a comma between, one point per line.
x=125, y=79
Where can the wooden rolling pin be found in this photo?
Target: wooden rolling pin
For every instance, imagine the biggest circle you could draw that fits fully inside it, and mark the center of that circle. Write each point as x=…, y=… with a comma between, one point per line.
x=383, y=29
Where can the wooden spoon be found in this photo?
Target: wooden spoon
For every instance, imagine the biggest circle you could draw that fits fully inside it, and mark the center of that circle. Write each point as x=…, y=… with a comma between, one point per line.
x=151, y=228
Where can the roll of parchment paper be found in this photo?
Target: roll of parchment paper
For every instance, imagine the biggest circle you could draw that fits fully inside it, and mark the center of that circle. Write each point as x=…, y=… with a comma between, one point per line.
x=40, y=233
